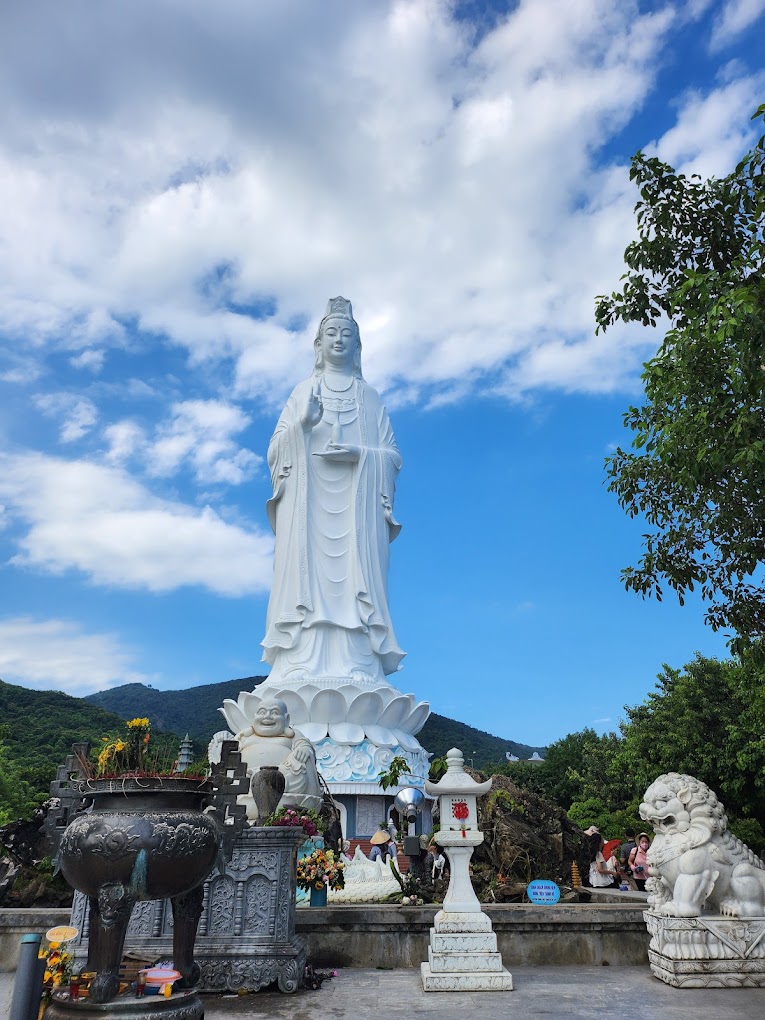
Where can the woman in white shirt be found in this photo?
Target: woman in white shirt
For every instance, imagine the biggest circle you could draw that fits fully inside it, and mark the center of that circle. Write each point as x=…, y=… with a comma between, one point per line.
x=600, y=875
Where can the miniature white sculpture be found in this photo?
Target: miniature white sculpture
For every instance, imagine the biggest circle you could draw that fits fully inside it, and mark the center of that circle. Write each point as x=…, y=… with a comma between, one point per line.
x=365, y=881
x=271, y=741
x=462, y=955
x=329, y=636
x=215, y=747
x=694, y=860
x=706, y=891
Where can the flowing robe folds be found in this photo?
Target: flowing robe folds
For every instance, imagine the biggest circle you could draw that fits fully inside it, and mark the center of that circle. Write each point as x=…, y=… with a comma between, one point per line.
x=328, y=615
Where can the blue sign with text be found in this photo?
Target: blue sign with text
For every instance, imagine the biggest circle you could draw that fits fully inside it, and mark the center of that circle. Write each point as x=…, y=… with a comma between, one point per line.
x=543, y=891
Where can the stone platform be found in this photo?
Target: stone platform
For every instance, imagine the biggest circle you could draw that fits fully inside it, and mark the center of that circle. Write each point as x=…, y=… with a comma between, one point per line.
x=540, y=993
x=710, y=951
x=363, y=935
x=463, y=956
x=181, y=1006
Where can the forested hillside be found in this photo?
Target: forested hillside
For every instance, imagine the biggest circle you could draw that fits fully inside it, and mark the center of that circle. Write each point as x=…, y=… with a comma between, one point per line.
x=41, y=726
x=439, y=734
x=195, y=711
x=38, y=728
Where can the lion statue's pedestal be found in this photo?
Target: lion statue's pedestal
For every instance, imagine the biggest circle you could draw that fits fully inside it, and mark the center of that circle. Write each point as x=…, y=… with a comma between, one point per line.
x=707, y=952
x=706, y=891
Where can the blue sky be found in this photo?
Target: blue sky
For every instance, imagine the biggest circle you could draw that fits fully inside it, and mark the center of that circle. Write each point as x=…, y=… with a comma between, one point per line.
x=185, y=184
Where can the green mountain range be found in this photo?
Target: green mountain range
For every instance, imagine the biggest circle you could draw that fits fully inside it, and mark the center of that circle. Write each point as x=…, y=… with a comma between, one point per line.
x=38, y=728
x=195, y=711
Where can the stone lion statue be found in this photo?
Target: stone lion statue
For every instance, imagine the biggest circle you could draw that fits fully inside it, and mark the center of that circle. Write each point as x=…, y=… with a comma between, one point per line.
x=694, y=861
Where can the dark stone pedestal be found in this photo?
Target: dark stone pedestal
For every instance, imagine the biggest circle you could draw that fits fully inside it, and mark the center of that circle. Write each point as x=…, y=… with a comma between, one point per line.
x=182, y=1006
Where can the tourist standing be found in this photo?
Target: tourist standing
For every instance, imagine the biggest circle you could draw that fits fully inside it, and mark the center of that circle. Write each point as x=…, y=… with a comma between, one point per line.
x=638, y=861
x=627, y=847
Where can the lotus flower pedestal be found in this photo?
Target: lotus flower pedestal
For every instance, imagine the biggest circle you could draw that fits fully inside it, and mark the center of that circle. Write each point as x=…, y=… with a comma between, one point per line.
x=356, y=728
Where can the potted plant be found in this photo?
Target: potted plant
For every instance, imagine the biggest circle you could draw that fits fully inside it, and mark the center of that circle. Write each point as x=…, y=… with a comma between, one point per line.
x=318, y=872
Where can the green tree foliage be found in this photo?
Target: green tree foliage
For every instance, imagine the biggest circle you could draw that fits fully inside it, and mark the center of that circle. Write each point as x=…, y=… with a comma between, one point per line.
x=17, y=796
x=707, y=719
x=43, y=725
x=696, y=470
x=397, y=770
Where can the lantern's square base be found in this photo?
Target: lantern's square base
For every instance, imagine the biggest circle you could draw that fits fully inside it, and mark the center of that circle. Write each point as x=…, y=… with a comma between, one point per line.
x=466, y=981
x=462, y=955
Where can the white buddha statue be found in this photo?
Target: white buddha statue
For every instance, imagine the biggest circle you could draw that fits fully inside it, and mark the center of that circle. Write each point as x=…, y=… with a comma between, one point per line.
x=329, y=636
x=334, y=463
x=271, y=741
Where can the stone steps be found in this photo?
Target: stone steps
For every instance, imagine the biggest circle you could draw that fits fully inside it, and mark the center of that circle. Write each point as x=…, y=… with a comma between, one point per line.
x=463, y=956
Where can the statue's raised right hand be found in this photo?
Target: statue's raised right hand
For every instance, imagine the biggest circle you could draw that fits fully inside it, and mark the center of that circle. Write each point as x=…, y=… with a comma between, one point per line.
x=313, y=409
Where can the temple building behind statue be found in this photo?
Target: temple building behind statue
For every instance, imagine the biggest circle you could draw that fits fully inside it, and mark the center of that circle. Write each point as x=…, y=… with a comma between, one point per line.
x=329, y=634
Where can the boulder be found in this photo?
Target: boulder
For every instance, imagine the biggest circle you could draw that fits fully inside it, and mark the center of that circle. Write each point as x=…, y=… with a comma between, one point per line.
x=525, y=837
x=26, y=873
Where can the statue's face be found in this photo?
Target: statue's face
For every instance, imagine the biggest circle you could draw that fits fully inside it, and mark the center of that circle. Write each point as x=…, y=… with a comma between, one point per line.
x=663, y=809
x=271, y=719
x=338, y=342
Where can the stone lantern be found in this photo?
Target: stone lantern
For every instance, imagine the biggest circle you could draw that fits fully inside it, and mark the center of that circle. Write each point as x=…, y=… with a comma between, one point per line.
x=462, y=955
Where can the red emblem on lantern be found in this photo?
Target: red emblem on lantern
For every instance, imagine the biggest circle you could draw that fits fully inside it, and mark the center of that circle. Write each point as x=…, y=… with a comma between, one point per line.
x=460, y=810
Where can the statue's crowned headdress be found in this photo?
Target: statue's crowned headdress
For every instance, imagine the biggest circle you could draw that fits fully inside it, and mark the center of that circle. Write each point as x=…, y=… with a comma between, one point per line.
x=339, y=306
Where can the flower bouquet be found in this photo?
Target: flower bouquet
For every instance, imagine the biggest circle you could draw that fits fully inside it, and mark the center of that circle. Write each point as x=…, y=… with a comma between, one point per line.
x=320, y=868
x=58, y=962
x=311, y=822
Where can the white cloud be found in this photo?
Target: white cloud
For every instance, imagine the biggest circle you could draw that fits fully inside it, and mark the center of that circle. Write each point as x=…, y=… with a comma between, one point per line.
x=198, y=432
x=95, y=519
x=712, y=130
x=433, y=180
x=91, y=359
x=58, y=654
x=734, y=18
x=124, y=438
x=214, y=192
x=78, y=414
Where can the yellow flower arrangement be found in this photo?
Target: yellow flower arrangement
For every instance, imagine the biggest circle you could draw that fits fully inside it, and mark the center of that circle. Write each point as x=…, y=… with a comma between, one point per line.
x=136, y=752
x=58, y=966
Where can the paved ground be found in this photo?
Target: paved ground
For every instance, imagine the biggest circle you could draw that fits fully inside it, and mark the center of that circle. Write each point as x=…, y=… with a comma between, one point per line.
x=605, y=993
